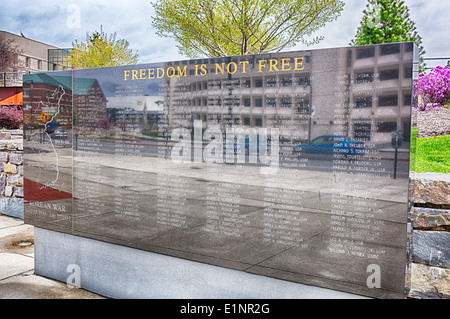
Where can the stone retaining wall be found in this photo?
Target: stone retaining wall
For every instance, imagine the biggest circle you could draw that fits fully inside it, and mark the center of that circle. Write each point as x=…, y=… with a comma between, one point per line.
x=429, y=264
x=11, y=172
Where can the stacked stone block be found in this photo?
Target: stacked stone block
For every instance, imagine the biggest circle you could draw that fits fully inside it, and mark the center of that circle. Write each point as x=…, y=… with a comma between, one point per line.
x=11, y=172
x=429, y=267
x=11, y=163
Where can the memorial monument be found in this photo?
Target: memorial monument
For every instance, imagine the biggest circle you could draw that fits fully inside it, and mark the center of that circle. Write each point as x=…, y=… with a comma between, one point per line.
x=280, y=165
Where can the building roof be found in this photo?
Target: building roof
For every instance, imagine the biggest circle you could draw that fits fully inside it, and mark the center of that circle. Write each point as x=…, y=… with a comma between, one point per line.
x=12, y=35
x=81, y=87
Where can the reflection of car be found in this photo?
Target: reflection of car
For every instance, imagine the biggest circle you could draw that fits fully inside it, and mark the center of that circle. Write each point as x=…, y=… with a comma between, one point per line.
x=50, y=127
x=329, y=145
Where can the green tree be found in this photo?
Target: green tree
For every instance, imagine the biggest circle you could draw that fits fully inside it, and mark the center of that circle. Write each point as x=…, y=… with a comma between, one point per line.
x=388, y=21
x=101, y=50
x=215, y=28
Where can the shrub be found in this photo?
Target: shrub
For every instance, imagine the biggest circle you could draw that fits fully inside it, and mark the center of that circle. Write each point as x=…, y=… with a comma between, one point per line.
x=434, y=88
x=11, y=117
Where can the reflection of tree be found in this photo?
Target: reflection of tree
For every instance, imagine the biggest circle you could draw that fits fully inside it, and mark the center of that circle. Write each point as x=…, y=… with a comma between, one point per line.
x=105, y=123
x=149, y=123
x=74, y=116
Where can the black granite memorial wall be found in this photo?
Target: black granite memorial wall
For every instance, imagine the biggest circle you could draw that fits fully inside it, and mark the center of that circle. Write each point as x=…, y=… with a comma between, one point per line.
x=282, y=165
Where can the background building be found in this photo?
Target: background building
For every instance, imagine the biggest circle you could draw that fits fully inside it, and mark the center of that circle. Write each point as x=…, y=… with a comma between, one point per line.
x=35, y=56
x=30, y=56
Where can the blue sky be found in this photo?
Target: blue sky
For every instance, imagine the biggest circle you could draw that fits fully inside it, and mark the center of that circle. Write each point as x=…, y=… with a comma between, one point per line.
x=60, y=22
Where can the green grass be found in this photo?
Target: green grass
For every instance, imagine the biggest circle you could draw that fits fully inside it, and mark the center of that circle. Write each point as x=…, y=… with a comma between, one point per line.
x=412, y=161
x=431, y=154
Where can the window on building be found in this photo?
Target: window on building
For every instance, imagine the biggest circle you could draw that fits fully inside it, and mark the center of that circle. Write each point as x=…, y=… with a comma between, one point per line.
x=407, y=98
x=386, y=127
x=286, y=81
x=388, y=100
x=258, y=83
x=363, y=101
x=303, y=105
x=364, y=53
x=286, y=102
x=409, y=47
x=387, y=75
x=408, y=72
x=362, y=130
x=390, y=49
x=365, y=77
x=271, y=82
x=304, y=81
x=271, y=102
x=246, y=83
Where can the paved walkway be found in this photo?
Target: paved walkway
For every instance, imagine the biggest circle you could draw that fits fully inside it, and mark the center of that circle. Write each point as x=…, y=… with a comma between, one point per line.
x=17, y=278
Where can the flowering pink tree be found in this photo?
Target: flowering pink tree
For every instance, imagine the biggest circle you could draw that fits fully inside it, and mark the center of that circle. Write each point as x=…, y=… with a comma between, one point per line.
x=10, y=117
x=434, y=88
x=105, y=124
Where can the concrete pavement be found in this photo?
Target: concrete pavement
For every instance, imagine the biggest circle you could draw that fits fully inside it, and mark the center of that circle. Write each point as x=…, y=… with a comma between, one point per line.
x=17, y=277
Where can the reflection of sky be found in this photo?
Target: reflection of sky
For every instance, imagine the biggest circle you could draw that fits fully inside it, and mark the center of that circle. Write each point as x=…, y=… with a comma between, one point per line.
x=112, y=82
x=137, y=102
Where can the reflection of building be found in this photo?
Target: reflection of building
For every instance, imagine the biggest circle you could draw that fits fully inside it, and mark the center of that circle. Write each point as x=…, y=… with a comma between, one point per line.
x=361, y=92
x=134, y=114
x=46, y=97
x=50, y=97
x=250, y=99
x=89, y=103
x=381, y=90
